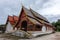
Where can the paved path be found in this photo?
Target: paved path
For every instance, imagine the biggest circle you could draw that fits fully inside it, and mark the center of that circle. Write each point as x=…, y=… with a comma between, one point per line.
x=55, y=36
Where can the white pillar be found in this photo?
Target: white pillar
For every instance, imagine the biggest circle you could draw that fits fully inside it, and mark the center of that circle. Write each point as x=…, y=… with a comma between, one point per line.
x=44, y=29
x=9, y=28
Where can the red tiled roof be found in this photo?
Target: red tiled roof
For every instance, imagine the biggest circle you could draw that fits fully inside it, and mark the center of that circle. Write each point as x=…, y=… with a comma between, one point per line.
x=11, y=20
x=15, y=18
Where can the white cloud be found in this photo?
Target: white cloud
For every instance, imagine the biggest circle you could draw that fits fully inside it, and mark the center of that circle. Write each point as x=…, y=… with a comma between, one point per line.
x=8, y=7
x=38, y=2
x=48, y=8
x=52, y=7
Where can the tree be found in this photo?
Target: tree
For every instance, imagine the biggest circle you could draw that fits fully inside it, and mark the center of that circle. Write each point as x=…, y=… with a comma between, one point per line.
x=53, y=23
x=57, y=25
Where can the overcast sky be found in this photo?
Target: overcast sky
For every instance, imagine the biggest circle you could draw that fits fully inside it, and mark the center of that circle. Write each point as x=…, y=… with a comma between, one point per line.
x=48, y=8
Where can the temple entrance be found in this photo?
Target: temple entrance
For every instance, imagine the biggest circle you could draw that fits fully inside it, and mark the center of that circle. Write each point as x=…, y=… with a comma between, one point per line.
x=24, y=25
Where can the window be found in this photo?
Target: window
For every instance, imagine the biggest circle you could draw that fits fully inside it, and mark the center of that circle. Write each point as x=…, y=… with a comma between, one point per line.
x=38, y=26
x=30, y=26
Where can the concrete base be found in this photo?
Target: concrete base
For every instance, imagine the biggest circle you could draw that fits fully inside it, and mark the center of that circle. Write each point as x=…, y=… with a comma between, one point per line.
x=30, y=34
x=40, y=33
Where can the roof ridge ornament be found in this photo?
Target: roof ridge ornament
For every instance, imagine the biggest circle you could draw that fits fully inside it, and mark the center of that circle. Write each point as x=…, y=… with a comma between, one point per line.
x=22, y=5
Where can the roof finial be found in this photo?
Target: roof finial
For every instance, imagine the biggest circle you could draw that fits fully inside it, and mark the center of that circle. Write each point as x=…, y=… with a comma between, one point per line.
x=22, y=4
x=30, y=7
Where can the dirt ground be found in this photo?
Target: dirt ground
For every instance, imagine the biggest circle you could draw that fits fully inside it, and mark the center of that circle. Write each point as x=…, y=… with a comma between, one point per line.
x=55, y=36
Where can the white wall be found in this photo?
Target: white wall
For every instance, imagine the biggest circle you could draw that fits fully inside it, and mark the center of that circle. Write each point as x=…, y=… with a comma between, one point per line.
x=49, y=29
x=9, y=28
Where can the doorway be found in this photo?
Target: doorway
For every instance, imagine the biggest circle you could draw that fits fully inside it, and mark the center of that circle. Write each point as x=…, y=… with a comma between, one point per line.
x=24, y=25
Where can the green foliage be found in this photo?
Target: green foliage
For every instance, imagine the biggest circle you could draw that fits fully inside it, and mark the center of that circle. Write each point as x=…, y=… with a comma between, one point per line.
x=53, y=23
x=57, y=25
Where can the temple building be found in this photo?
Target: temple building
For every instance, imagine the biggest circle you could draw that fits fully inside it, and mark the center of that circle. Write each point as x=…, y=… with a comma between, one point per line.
x=29, y=20
x=11, y=21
